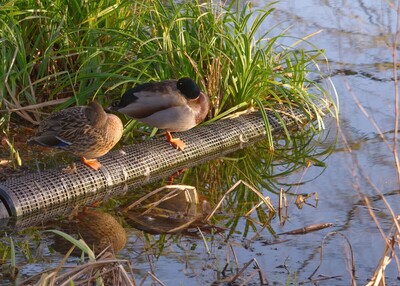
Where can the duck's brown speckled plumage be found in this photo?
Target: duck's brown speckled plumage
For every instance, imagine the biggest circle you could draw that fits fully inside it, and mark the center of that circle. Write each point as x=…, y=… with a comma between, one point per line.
x=85, y=131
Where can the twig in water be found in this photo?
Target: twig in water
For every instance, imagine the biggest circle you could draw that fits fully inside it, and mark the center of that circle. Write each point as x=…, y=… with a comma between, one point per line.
x=265, y=200
x=204, y=241
x=234, y=278
x=353, y=269
x=282, y=203
x=152, y=276
x=308, y=229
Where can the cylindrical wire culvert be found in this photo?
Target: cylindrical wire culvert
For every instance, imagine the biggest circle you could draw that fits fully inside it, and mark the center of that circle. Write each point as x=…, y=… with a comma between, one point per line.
x=55, y=192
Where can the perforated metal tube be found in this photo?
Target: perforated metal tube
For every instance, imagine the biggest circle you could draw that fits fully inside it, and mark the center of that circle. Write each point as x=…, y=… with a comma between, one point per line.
x=55, y=192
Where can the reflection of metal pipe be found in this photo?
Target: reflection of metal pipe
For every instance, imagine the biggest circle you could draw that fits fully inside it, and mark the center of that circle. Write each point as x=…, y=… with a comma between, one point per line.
x=55, y=192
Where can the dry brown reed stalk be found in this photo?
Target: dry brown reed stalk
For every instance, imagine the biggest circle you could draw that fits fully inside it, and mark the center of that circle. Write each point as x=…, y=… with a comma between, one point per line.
x=352, y=263
x=191, y=197
x=366, y=114
x=182, y=227
x=176, y=189
x=214, y=78
x=39, y=105
x=256, y=271
x=62, y=262
x=280, y=205
x=15, y=101
x=392, y=147
x=204, y=241
x=385, y=201
x=378, y=279
x=283, y=202
x=228, y=258
x=265, y=225
x=383, y=261
x=45, y=277
x=105, y=270
x=396, y=90
x=265, y=200
x=153, y=277
x=308, y=229
x=396, y=224
x=233, y=280
x=149, y=254
x=385, y=237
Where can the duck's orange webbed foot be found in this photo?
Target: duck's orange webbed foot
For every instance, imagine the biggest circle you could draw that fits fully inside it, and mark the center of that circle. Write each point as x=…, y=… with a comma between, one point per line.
x=91, y=163
x=175, y=142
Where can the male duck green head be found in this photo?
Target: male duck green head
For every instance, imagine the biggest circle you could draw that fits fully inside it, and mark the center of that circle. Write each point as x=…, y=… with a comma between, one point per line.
x=173, y=105
x=85, y=131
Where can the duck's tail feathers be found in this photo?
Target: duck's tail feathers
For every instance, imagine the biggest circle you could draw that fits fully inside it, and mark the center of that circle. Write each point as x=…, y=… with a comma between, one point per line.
x=49, y=141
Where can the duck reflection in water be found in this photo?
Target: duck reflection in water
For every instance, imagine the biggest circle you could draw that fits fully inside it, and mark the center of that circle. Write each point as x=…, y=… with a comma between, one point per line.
x=98, y=229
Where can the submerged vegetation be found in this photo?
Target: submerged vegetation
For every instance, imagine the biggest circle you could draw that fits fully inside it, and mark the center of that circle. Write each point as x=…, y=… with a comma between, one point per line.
x=56, y=54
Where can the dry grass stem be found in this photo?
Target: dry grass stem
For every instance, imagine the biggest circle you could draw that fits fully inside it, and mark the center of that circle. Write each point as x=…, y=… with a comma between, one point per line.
x=63, y=260
x=192, y=196
x=258, y=270
x=389, y=242
x=396, y=92
x=204, y=241
x=228, y=251
x=259, y=204
x=260, y=195
x=385, y=201
x=39, y=105
x=182, y=226
x=378, y=279
x=106, y=269
x=307, y=37
x=153, y=277
x=352, y=263
x=280, y=208
x=367, y=115
x=308, y=229
x=15, y=100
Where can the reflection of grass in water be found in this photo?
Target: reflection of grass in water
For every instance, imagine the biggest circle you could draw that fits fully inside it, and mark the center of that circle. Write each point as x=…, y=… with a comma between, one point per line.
x=259, y=166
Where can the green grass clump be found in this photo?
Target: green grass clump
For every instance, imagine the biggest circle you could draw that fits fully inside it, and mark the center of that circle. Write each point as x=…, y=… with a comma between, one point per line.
x=80, y=50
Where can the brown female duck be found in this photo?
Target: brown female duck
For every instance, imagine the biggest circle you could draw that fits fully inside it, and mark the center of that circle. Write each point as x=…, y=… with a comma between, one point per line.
x=85, y=131
x=173, y=105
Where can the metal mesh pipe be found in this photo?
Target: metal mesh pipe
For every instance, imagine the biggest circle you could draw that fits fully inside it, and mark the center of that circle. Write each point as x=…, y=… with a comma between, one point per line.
x=55, y=192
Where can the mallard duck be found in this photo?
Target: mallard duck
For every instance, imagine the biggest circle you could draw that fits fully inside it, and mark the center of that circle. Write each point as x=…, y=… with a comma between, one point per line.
x=85, y=131
x=173, y=105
